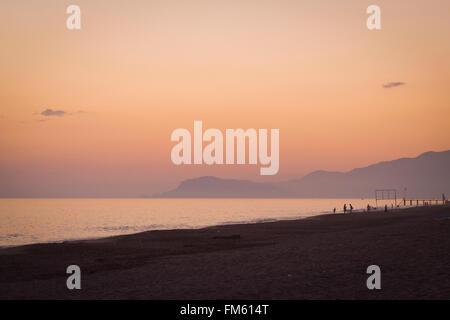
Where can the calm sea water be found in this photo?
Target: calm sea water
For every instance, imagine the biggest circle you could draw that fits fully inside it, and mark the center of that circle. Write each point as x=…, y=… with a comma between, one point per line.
x=25, y=221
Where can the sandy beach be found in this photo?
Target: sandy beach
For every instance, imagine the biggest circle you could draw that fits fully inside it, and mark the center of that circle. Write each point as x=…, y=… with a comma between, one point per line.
x=323, y=257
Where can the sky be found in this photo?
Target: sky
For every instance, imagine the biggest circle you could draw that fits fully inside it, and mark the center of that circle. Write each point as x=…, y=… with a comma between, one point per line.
x=90, y=112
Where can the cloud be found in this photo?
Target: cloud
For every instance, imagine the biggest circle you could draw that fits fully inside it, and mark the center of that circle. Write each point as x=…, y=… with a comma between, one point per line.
x=393, y=85
x=52, y=113
x=47, y=113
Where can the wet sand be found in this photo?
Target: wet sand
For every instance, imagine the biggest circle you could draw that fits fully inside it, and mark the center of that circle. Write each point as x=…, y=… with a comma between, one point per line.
x=323, y=257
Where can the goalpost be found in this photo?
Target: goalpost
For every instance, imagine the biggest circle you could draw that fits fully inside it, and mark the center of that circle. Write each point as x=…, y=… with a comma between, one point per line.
x=386, y=194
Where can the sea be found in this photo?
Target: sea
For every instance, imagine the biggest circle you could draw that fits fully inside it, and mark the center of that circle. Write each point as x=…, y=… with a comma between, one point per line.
x=28, y=221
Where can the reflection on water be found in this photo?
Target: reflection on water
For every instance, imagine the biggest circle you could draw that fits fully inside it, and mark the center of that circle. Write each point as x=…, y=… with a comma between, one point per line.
x=26, y=221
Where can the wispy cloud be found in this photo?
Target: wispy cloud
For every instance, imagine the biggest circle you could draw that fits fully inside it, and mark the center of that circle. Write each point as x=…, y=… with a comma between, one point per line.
x=48, y=113
x=53, y=113
x=390, y=85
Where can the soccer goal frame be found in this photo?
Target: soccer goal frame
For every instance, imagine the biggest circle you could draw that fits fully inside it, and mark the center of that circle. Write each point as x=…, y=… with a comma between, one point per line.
x=385, y=194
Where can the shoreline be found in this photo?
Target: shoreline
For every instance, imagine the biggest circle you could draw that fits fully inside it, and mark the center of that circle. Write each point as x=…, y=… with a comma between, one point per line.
x=317, y=257
x=256, y=221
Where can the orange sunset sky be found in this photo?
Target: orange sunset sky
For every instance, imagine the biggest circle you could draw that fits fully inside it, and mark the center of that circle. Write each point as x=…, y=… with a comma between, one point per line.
x=137, y=70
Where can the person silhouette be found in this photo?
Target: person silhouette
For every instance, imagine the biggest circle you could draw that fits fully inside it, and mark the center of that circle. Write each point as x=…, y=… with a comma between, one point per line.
x=351, y=208
x=334, y=210
x=345, y=208
x=385, y=208
x=368, y=207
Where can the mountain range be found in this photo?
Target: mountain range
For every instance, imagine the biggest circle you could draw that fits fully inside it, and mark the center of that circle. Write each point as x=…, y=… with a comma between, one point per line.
x=427, y=175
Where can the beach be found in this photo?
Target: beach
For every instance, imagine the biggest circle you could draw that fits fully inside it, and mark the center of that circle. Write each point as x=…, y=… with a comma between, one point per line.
x=322, y=257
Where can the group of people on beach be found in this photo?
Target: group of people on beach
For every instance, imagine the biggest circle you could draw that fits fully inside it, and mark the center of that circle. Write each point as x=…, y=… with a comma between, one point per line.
x=350, y=208
x=345, y=208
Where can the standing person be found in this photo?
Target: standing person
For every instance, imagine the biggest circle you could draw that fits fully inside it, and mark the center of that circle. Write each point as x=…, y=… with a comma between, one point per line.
x=334, y=210
x=385, y=208
x=368, y=207
x=345, y=208
x=351, y=208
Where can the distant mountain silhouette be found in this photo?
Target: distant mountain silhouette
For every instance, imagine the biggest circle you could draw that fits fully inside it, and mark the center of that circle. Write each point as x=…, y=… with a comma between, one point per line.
x=428, y=175
x=212, y=187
